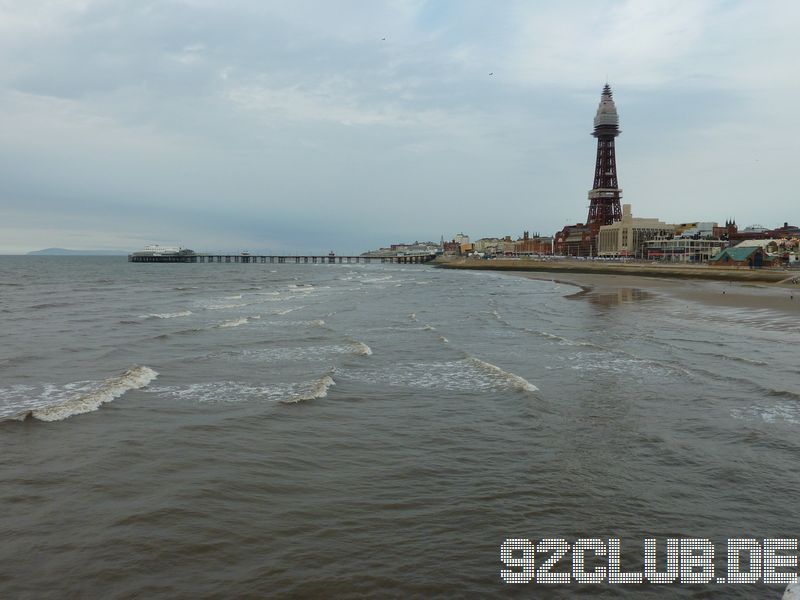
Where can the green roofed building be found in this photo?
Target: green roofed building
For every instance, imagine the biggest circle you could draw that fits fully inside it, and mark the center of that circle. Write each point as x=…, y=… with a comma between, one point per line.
x=752, y=257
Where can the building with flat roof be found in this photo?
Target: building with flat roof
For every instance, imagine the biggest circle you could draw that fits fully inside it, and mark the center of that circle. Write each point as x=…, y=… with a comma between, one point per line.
x=682, y=250
x=627, y=237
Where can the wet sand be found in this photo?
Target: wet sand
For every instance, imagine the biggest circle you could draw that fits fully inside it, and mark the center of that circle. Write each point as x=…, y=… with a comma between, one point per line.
x=621, y=282
x=734, y=294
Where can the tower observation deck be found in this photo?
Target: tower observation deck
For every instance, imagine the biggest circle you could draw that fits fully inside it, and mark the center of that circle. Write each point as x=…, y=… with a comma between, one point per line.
x=604, y=197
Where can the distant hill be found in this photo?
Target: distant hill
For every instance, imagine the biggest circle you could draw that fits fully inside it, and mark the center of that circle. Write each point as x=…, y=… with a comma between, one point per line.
x=66, y=252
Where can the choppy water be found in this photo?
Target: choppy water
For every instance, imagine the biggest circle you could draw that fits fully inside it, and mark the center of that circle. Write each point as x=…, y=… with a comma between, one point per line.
x=371, y=430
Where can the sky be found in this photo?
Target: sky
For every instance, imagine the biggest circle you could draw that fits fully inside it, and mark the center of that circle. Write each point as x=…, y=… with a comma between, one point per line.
x=345, y=125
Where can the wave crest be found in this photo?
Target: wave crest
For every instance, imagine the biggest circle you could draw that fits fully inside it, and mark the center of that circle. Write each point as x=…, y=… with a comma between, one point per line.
x=108, y=390
x=182, y=313
x=239, y=321
x=514, y=380
x=361, y=348
x=318, y=389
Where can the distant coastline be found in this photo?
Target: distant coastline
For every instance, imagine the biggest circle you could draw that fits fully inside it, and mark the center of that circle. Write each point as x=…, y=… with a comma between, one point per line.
x=68, y=252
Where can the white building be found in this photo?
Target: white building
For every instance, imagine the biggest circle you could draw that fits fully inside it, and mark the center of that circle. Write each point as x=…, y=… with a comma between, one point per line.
x=681, y=249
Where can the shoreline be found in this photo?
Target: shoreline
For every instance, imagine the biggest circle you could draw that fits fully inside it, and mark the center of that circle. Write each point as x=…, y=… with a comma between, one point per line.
x=601, y=286
x=669, y=271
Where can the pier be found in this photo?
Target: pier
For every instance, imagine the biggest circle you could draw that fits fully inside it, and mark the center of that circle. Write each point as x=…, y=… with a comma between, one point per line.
x=277, y=259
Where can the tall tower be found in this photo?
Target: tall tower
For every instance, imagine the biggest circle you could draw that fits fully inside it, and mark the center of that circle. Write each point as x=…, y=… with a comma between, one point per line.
x=604, y=205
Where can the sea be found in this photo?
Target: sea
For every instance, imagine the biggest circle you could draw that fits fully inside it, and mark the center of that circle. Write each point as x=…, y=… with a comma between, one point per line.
x=374, y=431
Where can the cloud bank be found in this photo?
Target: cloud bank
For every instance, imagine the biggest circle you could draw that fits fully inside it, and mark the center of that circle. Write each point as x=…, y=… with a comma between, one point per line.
x=307, y=126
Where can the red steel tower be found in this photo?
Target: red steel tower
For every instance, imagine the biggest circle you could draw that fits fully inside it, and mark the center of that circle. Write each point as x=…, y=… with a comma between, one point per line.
x=604, y=205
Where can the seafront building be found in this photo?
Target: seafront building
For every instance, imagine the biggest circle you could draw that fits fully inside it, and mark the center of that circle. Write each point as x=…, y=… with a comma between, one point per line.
x=533, y=245
x=752, y=257
x=682, y=249
x=628, y=236
x=403, y=249
x=527, y=245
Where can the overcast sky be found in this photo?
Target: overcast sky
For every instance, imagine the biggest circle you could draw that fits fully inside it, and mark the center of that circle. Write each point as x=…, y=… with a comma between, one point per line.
x=345, y=125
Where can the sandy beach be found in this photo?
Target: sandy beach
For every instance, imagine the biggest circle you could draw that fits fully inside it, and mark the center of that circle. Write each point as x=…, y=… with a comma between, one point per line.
x=615, y=284
x=617, y=289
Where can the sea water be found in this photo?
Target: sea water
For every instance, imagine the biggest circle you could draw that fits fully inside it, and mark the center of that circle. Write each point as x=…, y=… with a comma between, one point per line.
x=221, y=430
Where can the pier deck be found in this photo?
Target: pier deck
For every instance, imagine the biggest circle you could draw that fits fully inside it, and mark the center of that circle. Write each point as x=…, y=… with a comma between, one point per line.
x=277, y=259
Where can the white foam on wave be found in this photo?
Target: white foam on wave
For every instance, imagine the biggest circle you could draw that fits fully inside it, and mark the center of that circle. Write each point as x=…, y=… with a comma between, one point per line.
x=286, y=311
x=236, y=297
x=310, y=323
x=182, y=313
x=626, y=363
x=220, y=392
x=429, y=328
x=232, y=392
x=562, y=340
x=300, y=353
x=460, y=375
x=361, y=348
x=317, y=389
x=225, y=306
x=515, y=381
x=106, y=391
x=239, y=321
x=786, y=412
x=301, y=288
x=444, y=339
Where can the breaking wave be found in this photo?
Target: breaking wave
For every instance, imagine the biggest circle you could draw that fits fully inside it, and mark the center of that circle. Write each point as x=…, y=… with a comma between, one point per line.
x=783, y=393
x=225, y=306
x=286, y=311
x=108, y=390
x=239, y=321
x=514, y=380
x=182, y=313
x=361, y=348
x=317, y=389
